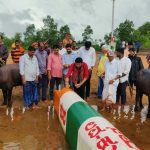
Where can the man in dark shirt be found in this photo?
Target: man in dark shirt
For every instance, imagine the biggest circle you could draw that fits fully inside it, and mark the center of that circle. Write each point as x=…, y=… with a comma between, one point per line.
x=3, y=51
x=136, y=66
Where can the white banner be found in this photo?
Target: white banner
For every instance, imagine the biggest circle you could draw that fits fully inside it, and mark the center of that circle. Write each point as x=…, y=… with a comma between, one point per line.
x=98, y=134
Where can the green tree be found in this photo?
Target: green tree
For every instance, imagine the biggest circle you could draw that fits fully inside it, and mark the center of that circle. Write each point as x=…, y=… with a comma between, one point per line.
x=88, y=31
x=125, y=31
x=2, y=34
x=18, y=36
x=107, y=38
x=29, y=35
x=136, y=35
x=144, y=29
x=63, y=31
x=50, y=31
x=8, y=41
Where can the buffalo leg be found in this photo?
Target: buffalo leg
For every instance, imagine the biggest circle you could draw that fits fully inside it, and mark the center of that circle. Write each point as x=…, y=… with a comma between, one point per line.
x=9, y=97
x=5, y=96
x=137, y=99
x=148, y=115
x=140, y=102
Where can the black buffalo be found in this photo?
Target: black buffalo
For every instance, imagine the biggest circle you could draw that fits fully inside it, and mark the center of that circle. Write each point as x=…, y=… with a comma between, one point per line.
x=9, y=78
x=143, y=84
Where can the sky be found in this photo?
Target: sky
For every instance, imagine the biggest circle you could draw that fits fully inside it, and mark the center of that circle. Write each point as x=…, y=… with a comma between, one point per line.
x=15, y=15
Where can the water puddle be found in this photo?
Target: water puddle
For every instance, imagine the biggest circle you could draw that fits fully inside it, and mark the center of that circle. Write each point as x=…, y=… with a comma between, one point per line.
x=31, y=130
x=135, y=125
x=23, y=129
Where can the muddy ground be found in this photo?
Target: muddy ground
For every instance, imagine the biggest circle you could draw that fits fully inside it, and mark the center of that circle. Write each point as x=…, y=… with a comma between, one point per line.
x=40, y=130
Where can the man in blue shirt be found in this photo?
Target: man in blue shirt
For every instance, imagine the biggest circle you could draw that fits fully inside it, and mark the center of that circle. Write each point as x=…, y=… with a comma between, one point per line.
x=68, y=58
x=137, y=46
x=41, y=56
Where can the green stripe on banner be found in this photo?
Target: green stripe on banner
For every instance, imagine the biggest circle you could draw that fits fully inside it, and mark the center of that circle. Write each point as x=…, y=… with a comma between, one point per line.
x=76, y=115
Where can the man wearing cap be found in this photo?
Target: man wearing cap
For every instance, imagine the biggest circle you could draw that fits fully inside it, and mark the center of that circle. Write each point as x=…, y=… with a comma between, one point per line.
x=148, y=60
x=29, y=71
x=111, y=78
x=100, y=70
x=125, y=64
x=88, y=54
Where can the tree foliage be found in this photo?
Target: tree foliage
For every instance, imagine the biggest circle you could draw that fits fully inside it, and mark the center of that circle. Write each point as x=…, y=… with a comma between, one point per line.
x=125, y=31
x=29, y=35
x=144, y=29
x=63, y=31
x=50, y=32
x=88, y=31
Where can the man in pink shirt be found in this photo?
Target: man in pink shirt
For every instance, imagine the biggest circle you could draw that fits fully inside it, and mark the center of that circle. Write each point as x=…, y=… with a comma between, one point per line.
x=54, y=68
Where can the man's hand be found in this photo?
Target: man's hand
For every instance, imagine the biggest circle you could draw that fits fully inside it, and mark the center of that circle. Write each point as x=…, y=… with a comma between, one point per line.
x=24, y=81
x=36, y=80
x=90, y=71
x=78, y=85
x=49, y=77
x=40, y=77
x=67, y=85
x=111, y=81
x=102, y=75
x=45, y=72
x=66, y=66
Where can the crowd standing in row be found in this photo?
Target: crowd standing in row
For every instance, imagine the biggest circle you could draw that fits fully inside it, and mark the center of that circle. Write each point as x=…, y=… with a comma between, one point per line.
x=64, y=66
x=115, y=74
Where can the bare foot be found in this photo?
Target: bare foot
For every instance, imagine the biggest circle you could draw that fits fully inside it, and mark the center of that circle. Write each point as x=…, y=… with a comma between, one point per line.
x=45, y=101
x=51, y=102
x=103, y=109
x=36, y=107
x=87, y=99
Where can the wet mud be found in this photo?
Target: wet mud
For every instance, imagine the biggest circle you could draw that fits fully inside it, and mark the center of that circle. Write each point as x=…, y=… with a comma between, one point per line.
x=40, y=129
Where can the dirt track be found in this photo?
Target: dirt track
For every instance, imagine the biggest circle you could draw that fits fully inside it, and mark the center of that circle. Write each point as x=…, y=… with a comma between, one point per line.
x=47, y=134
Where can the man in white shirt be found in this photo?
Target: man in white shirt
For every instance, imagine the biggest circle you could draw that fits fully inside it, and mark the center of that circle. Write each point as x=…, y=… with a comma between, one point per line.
x=88, y=54
x=125, y=69
x=111, y=79
x=29, y=71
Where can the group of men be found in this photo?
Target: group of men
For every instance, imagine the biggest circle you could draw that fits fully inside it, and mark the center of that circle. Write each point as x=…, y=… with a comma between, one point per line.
x=37, y=69
x=115, y=72
x=63, y=65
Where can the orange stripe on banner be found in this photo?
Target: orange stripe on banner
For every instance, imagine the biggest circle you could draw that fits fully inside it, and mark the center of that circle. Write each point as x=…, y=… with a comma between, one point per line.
x=57, y=96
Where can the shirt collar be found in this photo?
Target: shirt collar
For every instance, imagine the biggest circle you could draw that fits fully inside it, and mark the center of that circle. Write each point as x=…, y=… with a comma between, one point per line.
x=69, y=54
x=112, y=61
x=30, y=57
x=41, y=52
